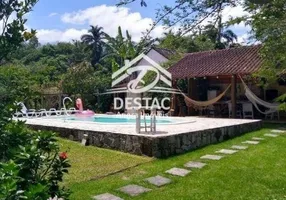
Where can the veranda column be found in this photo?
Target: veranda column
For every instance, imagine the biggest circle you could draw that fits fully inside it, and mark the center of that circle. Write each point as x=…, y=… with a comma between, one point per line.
x=192, y=93
x=175, y=102
x=233, y=95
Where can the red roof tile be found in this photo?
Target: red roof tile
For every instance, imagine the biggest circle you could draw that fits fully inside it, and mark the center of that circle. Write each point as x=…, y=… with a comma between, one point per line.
x=242, y=60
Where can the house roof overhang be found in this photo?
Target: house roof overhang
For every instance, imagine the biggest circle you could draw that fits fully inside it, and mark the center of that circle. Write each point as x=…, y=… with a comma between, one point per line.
x=242, y=60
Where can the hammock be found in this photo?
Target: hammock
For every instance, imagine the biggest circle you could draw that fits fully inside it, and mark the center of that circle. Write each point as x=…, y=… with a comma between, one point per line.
x=192, y=103
x=272, y=107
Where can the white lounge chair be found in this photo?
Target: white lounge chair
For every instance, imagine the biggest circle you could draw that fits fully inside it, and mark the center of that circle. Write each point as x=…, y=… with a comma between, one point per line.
x=25, y=112
x=247, y=110
x=238, y=112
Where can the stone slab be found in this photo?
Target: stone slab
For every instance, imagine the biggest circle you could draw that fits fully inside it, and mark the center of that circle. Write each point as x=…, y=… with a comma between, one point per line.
x=238, y=147
x=178, y=171
x=212, y=157
x=271, y=135
x=134, y=190
x=106, y=196
x=158, y=180
x=258, y=138
x=193, y=164
x=226, y=151
x=278, y=130
x=250, y=142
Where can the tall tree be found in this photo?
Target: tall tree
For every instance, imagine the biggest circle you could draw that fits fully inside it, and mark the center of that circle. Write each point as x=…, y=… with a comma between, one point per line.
x=220, y=37
x=188, y=14
x=13, y=31
x=94, y=41
x=268, y=22
x=124, y=48
x=186, y=44
x=34, y=42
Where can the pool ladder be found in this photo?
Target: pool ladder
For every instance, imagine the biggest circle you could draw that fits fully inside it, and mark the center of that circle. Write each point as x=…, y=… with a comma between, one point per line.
x=152, y=125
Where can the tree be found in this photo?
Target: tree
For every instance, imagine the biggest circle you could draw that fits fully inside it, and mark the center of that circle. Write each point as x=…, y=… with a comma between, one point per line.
x=124, y=48
x=94, y=41
x=220, y=37
x=173, y=41
x=268, y=22
x=34, y=42
x=188, y=14
x=79, y=53
x=13, y=31
x=82, y=80
x=186, y=44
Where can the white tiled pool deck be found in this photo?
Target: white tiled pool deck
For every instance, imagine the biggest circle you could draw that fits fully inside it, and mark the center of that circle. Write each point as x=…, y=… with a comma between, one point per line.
x=185, y=125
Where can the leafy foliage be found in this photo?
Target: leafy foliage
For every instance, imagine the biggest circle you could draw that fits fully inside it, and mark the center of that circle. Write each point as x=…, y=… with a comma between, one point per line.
x=94, y=41
x=268, y=26
x=121, y=48
x=31, y=166
x=13, y=31
x=84, y=81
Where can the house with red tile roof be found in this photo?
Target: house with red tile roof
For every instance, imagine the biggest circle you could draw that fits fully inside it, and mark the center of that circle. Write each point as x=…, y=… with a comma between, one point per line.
x=209, y=73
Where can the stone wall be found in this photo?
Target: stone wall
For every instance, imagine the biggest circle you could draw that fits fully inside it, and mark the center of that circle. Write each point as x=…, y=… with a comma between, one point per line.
x=163, y=146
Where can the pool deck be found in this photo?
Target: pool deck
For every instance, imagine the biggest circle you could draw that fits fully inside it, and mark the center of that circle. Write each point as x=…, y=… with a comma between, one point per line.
x=191, y=133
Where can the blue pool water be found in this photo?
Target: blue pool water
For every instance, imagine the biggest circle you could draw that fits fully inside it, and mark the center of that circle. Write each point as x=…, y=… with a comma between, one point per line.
x=118, y=119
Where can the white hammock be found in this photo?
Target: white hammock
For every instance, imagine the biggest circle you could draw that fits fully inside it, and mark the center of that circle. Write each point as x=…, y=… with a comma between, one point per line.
x=272, y=107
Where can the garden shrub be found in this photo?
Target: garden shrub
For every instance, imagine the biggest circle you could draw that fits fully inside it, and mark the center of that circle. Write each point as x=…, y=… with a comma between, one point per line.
x=31, y=164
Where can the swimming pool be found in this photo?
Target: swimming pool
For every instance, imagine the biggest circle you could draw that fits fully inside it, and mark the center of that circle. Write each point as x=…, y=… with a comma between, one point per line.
x=118, y=119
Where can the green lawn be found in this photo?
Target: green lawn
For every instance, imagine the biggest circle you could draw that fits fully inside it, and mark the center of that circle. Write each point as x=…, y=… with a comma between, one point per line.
x=256, y=173
x=91, y=163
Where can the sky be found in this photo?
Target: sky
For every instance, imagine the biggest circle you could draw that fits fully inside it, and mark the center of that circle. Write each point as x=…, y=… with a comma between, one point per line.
x=65, y=20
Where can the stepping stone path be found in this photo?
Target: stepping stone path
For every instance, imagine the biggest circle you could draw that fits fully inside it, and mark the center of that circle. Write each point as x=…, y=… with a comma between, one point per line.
x=271, y=135
x=197, y=165
x=158, y=180
x=178, y=172
x=257, y=138
x=106, y=196
x=212, y=157
x=239, y=147
x=279, y=131
x=250, y=142
x=134, y=190
x=226, y=151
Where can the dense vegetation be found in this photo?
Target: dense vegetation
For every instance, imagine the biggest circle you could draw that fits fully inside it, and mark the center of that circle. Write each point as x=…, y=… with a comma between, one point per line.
x=83, y=68
x=31, y=165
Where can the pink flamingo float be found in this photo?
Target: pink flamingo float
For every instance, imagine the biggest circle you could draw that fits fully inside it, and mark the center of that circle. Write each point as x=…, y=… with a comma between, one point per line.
x=83, y=113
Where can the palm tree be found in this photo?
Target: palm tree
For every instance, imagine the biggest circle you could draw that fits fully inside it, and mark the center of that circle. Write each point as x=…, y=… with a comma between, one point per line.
x=220, y=37
x=94, y=41
x=124, y=48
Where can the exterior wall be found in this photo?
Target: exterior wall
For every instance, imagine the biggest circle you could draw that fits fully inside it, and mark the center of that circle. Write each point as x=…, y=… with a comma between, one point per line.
x=154, y=146
x=154, y=55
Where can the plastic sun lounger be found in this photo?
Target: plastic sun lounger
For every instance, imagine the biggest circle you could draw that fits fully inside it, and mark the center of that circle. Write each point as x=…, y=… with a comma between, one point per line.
x=52, y=111
x=31, y=113
x=24, y=112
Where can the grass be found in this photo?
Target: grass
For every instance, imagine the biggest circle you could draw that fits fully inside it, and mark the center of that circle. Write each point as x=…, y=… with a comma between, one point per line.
x=256, y=173
x=91, y=163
